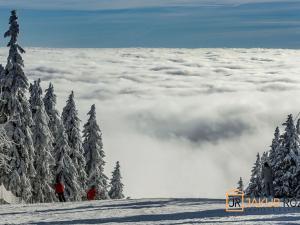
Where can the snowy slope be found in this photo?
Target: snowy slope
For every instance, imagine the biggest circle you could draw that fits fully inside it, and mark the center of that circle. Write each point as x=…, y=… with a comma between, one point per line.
x=143, y=211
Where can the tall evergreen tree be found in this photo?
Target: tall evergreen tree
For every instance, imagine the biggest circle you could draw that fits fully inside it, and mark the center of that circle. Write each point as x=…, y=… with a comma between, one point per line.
x=35, y=91
x=50, y=107
x=94, y=155
x=71, y=123
x=14, y=108
x=272, y=155
x=42, y=140
x=65, y=169
x=255, y=186
x=285, y=168
x=116, y=186
x=240, y=184
x=264, y=159
x=274, y=148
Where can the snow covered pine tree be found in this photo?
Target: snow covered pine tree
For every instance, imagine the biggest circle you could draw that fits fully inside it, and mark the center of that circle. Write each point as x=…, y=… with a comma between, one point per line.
x=42, y=140
x=264, y=159
x=50, y=107
x=14, y=109
x=286, y=165
x=65, y=170
x=240, y=184
x=35, y=91
x=116, y=186
x=274, y=148
x=71, y=123
x=284, y=159
x=94, y=155
x=255, y=186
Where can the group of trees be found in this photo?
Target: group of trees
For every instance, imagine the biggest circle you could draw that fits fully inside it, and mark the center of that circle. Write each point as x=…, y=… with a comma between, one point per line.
x=284, y=159
x=38, y=147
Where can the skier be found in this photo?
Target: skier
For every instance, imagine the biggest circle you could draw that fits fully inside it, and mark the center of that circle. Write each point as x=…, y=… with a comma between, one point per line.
x=267, y=176
x=91, y=194
x=59, y=189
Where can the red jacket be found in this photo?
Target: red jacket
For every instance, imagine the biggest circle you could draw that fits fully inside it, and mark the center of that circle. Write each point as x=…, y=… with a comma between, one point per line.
x=91, y=195
x=59, y=188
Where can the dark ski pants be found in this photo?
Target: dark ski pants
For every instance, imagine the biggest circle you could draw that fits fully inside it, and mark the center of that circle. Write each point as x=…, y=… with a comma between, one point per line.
x=61, y=197
x=269, y=191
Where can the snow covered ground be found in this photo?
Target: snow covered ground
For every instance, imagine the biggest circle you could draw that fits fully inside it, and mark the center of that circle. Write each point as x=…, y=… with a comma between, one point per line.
x=173, y=116
x=143, y=211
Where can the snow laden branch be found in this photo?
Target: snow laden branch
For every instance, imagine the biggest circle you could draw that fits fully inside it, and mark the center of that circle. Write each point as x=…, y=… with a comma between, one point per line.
x=5, y=143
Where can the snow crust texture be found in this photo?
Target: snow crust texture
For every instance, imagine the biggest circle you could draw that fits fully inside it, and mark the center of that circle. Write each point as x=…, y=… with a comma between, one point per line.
x=143, y=211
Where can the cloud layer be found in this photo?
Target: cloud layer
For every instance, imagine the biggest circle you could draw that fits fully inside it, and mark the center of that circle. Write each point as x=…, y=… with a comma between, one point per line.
x=183, y=123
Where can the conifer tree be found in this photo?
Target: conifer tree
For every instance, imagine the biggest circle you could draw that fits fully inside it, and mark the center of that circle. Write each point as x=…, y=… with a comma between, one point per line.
x=240, y=184
x=116, y=186
x=274, y=148
x=264, y=159
x=255, y=186
x=50, y=107
x=286, y=165
x=94, y=155
x=35, y=91
x=65, y=169
x=271, y=156
x=14, y=109
x=42, y=140
x=71, y=124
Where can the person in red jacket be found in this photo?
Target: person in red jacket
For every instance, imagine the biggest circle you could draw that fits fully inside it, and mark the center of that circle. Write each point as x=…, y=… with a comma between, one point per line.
x=60, y=189
x=91, y=194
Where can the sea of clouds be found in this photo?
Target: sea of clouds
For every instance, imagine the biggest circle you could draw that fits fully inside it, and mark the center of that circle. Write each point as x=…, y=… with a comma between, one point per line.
x=182, y=122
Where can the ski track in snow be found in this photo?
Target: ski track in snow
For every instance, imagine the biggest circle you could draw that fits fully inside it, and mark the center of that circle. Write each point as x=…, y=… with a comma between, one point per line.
x=173, y=116
x=143, y=211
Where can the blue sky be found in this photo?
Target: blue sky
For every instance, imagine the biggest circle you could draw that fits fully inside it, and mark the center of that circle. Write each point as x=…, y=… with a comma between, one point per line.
x=163, y=23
